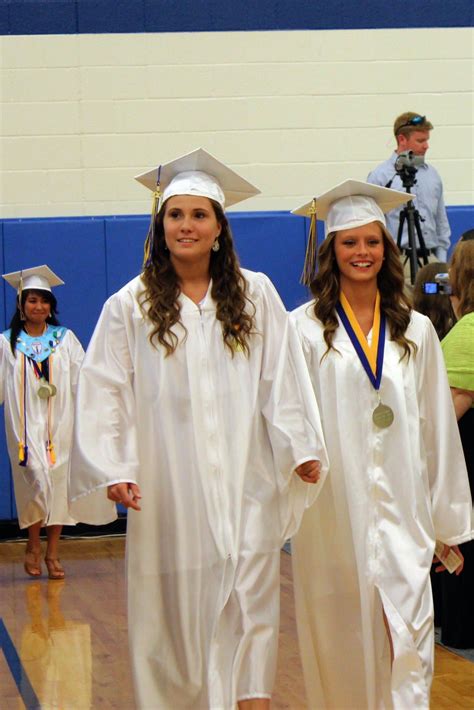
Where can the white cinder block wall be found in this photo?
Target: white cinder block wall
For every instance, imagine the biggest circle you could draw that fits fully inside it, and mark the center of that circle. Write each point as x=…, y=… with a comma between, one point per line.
x=295, y=112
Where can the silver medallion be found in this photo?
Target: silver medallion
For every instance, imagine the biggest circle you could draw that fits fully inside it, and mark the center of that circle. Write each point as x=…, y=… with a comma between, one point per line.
x=382, y=416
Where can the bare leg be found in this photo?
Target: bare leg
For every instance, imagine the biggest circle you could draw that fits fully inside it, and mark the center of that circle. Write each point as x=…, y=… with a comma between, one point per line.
x=33, y=551
x=254, y=704
x=55, y=570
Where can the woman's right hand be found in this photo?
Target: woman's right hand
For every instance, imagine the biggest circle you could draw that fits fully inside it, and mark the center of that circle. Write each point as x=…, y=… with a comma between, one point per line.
x=128, y=494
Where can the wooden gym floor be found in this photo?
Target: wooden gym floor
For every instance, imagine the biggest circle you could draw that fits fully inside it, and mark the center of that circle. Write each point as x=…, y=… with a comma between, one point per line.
x=65, y=643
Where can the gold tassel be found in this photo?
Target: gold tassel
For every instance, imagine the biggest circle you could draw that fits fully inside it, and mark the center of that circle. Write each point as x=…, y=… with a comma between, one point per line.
x=22, y=454
x=51, y=453
x=155, y=207
x=309, y=267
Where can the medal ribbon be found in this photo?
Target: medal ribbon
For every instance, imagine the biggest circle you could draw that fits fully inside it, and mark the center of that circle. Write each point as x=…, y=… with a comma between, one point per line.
x=371, y=356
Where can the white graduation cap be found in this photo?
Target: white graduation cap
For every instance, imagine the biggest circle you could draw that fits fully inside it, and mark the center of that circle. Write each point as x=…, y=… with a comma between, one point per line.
x=350, y=204
x=353, y=203
x=198, y=173
x=40, y=278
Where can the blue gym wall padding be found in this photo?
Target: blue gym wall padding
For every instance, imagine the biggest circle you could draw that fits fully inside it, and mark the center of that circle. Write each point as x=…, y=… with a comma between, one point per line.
x=22, y=17
x=96, y=256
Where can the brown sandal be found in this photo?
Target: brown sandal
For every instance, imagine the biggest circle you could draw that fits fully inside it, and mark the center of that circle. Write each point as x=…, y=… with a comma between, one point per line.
x=32, y=563
x=55, y=570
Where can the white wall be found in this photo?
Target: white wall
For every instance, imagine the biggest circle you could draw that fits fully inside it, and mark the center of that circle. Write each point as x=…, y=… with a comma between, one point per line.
x=295, y=112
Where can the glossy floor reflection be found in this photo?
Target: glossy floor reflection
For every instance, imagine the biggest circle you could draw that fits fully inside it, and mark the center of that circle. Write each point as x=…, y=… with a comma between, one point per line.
x=64, y=643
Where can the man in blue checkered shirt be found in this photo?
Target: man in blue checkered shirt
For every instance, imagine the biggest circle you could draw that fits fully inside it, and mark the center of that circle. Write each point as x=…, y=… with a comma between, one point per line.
x=412, y=132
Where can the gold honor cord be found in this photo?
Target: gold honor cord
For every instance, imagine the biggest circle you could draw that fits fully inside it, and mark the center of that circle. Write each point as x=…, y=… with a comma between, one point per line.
x=45, y=391
x=49, y=445
x=23, y=443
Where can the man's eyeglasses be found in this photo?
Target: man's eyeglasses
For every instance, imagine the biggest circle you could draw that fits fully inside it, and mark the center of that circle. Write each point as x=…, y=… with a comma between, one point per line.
x=415, y=121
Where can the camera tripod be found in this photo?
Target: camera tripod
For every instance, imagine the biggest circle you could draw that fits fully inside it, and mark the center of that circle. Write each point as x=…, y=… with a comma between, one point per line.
x=411, y=216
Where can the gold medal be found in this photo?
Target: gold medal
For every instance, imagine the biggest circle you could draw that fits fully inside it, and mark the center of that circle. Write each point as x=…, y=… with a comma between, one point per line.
x=382, y=416
x=46, y=390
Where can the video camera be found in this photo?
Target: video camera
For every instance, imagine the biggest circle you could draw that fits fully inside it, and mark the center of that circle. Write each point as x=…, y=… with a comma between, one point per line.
x=406, y=166
x=407, y=159
x=439, y=285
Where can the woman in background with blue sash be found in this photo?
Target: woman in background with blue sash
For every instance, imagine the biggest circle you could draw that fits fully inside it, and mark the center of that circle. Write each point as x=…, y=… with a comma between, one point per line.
x=397, y=480
x=39, y=368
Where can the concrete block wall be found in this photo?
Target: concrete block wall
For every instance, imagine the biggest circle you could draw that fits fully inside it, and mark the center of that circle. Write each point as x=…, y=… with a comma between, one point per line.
x=294, y=111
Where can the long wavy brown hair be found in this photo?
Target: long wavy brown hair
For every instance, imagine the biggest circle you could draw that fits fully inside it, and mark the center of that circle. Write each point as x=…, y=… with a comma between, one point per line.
x=394, y=303
x=160, y=301
x=461, y=276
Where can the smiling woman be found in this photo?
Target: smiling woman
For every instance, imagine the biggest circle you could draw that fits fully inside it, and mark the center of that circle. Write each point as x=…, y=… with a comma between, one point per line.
x=37, y=309
x=363, y=554
x=359, y=253
x=196, y=413
x=188, y=221
x=39, y=365
x=191, y=232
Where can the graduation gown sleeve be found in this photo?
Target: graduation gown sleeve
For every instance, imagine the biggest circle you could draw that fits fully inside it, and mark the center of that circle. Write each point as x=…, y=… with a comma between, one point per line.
x=290, y=410
x=105, y=418
x=76, y=356
x=448, y=481
x=3, y=346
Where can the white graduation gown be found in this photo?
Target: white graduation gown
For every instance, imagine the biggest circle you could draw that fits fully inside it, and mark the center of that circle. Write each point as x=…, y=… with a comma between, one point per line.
x=41, y=488
x=212, y=440
x=367, y=543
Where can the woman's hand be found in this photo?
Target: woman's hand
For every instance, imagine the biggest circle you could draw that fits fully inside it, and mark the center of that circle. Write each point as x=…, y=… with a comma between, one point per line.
x=128, y=494
x=446, y=551
x=309, y=471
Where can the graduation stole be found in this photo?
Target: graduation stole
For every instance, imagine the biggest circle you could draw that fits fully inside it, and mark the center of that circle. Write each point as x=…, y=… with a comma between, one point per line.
x=371, y=356
x=39, y=347
x=37, y=352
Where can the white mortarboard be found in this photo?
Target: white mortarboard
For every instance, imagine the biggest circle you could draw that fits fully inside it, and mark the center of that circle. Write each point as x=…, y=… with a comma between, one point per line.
x=353, y=203
x=198, y=173
x=350, y=204
x=40, y=278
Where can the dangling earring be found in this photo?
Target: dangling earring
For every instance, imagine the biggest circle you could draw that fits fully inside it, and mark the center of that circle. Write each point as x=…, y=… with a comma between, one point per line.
x=216, y=246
